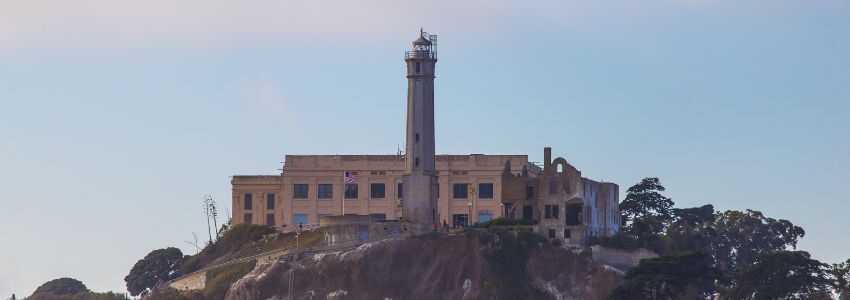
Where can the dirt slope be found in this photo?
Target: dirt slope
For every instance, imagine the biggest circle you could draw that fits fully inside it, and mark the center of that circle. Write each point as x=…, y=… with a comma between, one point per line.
x=444, y=267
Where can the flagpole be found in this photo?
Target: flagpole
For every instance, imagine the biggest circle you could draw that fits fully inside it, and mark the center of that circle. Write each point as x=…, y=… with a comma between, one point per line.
x=343, y=192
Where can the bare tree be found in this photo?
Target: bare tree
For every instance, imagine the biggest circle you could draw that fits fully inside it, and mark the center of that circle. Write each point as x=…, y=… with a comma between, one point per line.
x=214, y=214
x=207, y=212
x=195, y=238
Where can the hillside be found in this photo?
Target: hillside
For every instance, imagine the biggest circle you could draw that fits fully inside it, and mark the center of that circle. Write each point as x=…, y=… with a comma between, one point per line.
x=471, y=266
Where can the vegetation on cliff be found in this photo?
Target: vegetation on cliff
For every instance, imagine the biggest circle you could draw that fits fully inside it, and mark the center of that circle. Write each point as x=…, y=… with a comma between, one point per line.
x=70, y=289
x=738, y=254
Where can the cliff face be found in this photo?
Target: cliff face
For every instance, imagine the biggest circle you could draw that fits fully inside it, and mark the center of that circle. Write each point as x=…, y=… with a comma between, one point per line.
x=442, y=267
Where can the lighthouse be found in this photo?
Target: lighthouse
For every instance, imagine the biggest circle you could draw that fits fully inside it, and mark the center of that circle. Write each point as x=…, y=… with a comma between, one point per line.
x=419, y=205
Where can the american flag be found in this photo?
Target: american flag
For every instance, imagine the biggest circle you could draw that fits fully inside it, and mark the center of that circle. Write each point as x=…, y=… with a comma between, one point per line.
x=348, y=177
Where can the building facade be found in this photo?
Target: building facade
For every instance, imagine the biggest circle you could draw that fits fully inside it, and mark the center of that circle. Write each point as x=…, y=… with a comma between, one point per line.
x=471, y=188
x=422, y=188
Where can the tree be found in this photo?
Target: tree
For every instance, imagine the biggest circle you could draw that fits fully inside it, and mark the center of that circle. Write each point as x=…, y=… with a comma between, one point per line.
x=644, y=199
x=783, y=275
x=694, y=216
x=160, y=264
x=739, y=237
x=841, y=279
x=681, y=275
x=62, y=286
x=644, y=226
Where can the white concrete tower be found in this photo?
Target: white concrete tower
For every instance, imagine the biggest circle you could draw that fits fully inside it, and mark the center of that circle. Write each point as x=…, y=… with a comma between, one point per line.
x=419, y=199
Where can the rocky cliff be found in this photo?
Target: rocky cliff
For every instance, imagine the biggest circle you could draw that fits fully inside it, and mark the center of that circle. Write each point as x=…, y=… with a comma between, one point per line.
x=502, y=265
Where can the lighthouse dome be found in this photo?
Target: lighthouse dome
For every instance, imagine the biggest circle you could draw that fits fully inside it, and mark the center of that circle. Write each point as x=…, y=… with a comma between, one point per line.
x=421, y=41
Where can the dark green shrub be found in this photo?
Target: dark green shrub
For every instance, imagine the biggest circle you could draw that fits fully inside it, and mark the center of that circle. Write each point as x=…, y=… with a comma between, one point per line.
x=507, y=222
x=62, y=286
x=234, y=239
x=219, y=280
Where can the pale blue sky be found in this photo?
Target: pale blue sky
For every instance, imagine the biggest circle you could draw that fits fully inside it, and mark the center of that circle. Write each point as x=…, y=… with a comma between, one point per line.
x=116, y=118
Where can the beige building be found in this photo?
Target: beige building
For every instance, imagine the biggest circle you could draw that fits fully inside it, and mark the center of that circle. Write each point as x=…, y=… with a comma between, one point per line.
x=472, y=187
x=465, y=189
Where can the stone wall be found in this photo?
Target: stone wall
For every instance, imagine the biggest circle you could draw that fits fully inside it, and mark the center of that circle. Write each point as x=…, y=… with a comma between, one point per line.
x=192, y=282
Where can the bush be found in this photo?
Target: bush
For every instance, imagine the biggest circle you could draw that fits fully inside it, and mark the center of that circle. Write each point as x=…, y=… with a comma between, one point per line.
x=233, y=240
x=620, y=240
x=219, y=280
x=507, y=222
x=657, y=243
x=62, y=286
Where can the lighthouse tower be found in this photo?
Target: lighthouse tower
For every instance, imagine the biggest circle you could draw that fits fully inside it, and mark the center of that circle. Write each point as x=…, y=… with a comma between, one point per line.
x=419, y=204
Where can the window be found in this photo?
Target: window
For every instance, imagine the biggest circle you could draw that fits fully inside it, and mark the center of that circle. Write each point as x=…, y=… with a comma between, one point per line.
x=418, y=67
x=270, y=201
x=399, y=189
x=378, y=190
x=552, y=212
x=247, y=218
x=573, y=214
x=551, y=233
x=484, y=217
x=351, y=191
x=553, y=188
x=300, y=191
x=249, y=201
x=326, y=191
x=416, y=162
x=527, y=212
x=485, y=190
x=378, y=216
x=529, y=191
x=567, y=233
x=509, y=211
x=460, y=191
x=299, y=219
x=459, y=220
x=270, y=219
x=417, y=137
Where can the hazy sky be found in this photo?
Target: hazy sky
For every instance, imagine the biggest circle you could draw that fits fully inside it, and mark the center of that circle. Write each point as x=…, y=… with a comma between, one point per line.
x=117, y=116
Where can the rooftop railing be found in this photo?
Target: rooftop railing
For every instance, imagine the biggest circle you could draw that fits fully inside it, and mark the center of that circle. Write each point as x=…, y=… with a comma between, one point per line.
x=426, y=54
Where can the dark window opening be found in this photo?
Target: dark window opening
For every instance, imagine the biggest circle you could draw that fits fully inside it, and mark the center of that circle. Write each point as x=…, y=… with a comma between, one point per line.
x=553, y=188
x=529, y=191
x=551, y=233
x=270, y=201
x=378, y=216
x=416, y=137
x=509, y=211
x=416, y=162
x=247, y=218
x=418, y=67
x=552, y=211
x=377, y=190
x=400, y=188
x=460, y=191
x=460, y=220
x=485, y=190
x=351, y=191
x=567, y=233
x=270, y=219
x=249, y=201
x=299, y=191
x=573, y=214
x=527, y=212
x=326, y=191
